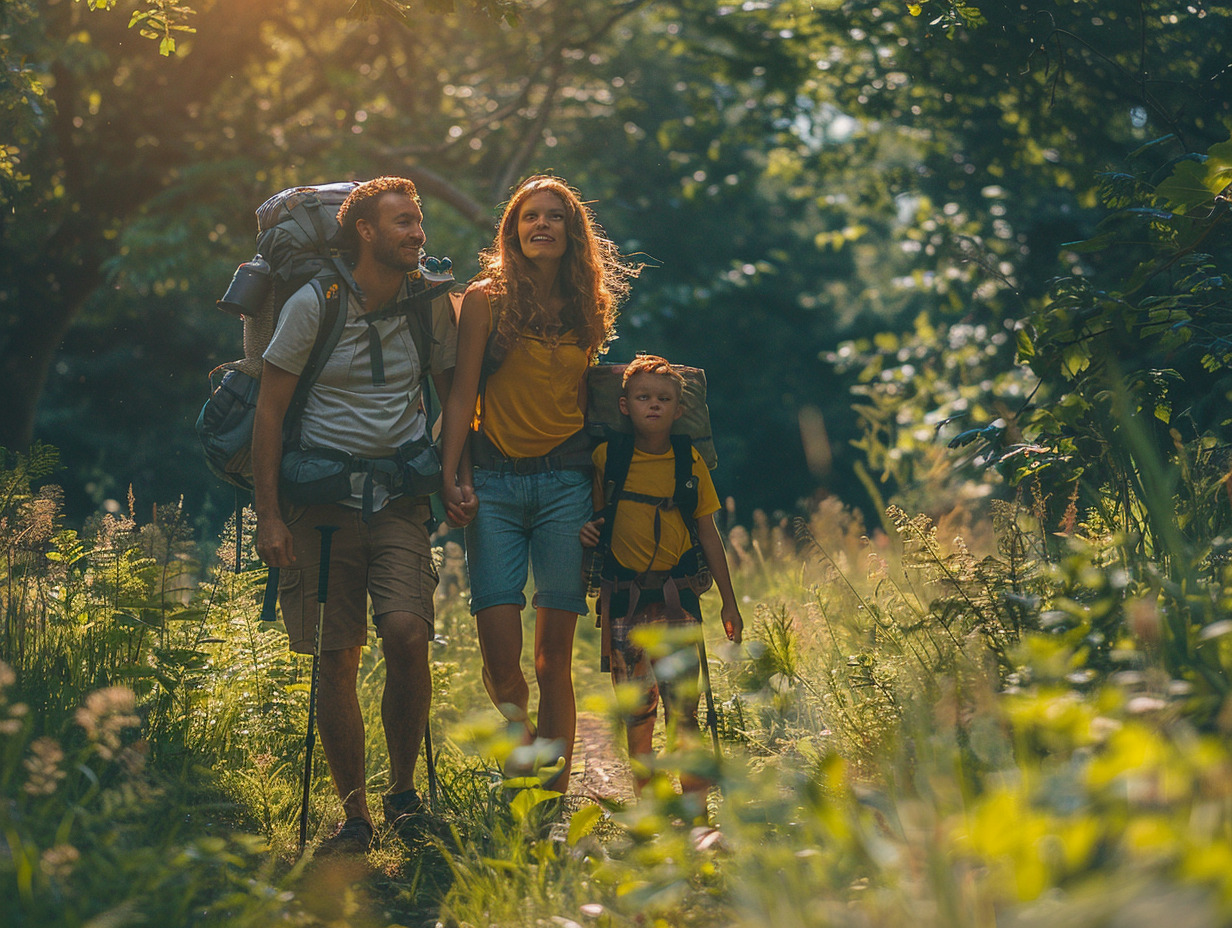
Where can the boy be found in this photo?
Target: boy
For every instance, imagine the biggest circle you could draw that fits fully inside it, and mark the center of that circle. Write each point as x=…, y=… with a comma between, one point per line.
x=648, y=539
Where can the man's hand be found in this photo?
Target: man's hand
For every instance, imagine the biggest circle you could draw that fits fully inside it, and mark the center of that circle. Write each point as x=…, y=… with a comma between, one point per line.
x=274, y=542
x=590, y=533
x=733, y=624
x=461, y=504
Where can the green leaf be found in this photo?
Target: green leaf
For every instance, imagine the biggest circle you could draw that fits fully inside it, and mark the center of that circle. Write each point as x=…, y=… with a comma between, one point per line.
x=583, y=822
x=1024, y=344
x=527, y=799
x=1075, y=359
x=1095, y=243
x=1151, y=144
x=1186, y=187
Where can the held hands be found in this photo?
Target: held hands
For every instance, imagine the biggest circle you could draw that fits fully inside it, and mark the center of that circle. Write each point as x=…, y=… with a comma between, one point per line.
x=274, y=543
x=461, y=503
x=590, y=533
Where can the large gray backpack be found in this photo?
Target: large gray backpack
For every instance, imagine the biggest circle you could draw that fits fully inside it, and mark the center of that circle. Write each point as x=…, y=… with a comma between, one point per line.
x=297, y=243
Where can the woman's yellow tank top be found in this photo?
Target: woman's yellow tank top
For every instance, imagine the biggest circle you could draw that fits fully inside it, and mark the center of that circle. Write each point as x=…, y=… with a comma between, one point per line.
x=532, y=402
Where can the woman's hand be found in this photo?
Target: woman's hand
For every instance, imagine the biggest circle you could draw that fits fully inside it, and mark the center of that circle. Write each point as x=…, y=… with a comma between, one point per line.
x=461, y=504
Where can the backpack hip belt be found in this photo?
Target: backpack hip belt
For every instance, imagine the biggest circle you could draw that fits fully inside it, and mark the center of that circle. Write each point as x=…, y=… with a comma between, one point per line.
x=664, y=582
x=312, y=476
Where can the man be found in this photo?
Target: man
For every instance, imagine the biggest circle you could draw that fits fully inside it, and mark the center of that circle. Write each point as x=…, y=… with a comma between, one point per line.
x=366, y=401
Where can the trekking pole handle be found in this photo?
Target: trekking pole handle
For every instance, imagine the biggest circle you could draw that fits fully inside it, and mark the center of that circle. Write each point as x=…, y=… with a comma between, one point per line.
x=327, y=532
x=271, y=595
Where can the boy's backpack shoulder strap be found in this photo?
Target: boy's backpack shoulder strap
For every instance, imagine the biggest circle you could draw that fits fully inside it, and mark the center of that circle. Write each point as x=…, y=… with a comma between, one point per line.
x=330, y=296
x=615, y=472
x=684, y=494
x=616, y=467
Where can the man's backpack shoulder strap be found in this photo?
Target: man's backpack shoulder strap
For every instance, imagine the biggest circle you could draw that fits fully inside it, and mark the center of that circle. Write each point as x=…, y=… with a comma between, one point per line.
x=420, y=322
x=331, y=298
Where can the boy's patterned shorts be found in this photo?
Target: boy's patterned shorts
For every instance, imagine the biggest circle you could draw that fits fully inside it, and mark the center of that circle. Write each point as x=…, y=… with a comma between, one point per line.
x=669, y=677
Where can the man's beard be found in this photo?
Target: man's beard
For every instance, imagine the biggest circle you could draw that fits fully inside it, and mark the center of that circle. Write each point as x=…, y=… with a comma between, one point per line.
x=392, y=256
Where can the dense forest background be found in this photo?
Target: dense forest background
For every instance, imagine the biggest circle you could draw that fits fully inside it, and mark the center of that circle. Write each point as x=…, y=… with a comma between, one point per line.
x=801, y=176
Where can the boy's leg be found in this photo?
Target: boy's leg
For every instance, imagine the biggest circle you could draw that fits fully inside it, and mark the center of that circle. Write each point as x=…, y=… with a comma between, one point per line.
x=631, y=665
x=681, y=694
x=682, y=713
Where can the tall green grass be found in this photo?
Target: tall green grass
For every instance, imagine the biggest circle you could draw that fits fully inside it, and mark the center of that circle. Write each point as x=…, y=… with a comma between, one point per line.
x=972, y=719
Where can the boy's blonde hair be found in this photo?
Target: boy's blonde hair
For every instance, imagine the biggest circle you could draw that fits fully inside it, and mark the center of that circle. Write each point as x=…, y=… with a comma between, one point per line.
x=652, y=364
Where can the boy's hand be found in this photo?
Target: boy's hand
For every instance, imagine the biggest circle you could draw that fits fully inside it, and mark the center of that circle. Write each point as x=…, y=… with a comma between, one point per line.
x=733, y=624
x=590, y=533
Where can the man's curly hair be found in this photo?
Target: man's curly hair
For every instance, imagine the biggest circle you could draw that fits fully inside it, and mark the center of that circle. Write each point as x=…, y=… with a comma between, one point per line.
x=593, y=277
x=363, y=202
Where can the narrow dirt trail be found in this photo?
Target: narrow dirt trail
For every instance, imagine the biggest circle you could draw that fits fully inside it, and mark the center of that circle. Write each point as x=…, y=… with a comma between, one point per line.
x=600, y=770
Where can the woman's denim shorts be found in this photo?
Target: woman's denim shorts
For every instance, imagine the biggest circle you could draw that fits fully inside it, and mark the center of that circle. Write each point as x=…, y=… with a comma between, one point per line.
x=531, y=518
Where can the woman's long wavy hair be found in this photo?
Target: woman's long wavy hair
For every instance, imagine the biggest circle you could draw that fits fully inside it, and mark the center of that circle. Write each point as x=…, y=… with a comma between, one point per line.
x=593, y=278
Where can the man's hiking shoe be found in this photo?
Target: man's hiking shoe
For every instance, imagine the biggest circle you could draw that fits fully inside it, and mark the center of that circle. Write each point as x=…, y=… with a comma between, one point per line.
x=354, y=838
x=407, y=814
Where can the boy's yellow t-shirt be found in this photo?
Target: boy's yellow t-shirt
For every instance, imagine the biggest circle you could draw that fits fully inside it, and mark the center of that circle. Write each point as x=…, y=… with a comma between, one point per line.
x=633, y=543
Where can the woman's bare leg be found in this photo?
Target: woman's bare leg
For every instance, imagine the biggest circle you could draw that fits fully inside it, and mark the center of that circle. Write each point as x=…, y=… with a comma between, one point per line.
x=554, y=630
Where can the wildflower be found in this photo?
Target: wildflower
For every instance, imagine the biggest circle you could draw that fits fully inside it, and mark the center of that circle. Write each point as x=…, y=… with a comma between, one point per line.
x=58, y=862
x=12, y=724
x=878, y=567
x=132, y=759
x=43, y=767
x=1143, y=704
x=104, y=717
x=40, y=517
x=7, y=676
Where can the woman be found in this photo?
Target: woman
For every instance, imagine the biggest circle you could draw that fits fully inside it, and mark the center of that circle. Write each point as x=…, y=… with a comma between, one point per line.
x=541, y=312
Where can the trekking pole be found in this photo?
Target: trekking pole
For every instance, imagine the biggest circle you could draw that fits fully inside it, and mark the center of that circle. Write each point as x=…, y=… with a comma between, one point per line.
x=327, y=532
x=270, y=600
x=428, y=735
x=431, y=763
x=712, y=717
